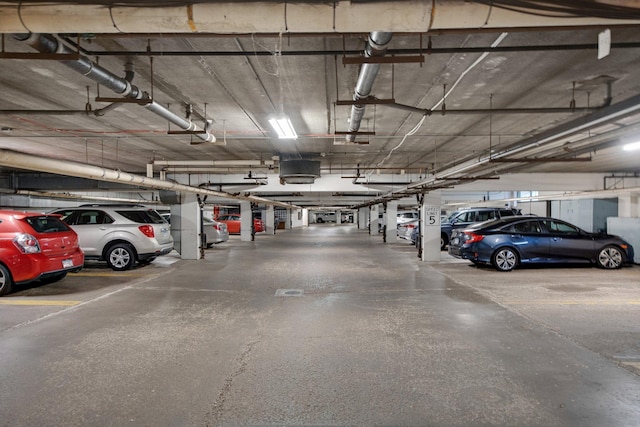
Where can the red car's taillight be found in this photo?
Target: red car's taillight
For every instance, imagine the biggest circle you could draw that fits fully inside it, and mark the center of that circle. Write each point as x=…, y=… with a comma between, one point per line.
x=147, y=230
x=472, y=237
x=26, y=243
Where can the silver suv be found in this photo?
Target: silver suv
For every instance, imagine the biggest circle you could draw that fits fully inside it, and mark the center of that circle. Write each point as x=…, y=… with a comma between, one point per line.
x=466, y=217
x=119, y=234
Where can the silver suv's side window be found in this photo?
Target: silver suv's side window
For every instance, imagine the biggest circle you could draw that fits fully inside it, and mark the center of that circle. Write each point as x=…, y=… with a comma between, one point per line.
x=80, y=217
x=93, y=217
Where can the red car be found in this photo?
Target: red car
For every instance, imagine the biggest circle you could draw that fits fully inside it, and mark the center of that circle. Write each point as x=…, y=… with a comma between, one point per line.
x=233, y=223
x=36, y=246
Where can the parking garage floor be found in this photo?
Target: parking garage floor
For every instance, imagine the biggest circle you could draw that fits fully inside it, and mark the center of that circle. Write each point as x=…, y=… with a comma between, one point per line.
x=324, y=325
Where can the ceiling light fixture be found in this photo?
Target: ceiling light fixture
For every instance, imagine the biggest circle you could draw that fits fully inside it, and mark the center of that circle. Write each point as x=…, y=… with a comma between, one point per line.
x=283, y=128
x=631, y=146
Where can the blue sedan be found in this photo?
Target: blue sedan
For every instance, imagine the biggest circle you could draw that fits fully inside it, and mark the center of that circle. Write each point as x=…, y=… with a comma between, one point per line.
x=509, y=242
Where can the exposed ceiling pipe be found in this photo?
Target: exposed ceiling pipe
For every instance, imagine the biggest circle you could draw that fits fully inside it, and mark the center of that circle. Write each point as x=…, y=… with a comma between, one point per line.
x=529, y=146
x=251, y=17
x=214, y=162
x=19, y=160
x=606, y=115
x=73, y=196
x=376, y=46
x=122, y=86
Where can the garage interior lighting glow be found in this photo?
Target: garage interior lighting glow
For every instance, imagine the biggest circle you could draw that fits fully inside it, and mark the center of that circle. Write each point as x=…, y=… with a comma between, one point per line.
x=283, y=128
x=631, y=146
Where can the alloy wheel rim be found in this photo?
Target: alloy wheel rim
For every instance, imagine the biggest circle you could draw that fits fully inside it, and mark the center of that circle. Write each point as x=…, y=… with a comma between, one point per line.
x=610, y=258
x=120, y=257
x=506, y=260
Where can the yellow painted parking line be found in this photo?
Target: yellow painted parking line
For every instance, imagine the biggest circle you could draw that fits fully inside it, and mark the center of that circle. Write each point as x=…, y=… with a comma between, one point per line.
x=5, y=301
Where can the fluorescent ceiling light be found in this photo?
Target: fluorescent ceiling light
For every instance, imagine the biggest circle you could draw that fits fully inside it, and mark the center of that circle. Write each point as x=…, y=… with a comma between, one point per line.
x=283, y=128
x=631, y=146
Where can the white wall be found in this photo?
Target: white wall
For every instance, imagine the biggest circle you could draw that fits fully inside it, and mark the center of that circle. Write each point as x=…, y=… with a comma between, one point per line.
x=299, y=217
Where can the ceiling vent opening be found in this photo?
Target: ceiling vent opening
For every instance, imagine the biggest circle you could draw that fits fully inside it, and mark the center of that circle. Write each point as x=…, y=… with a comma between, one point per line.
x=299, y=171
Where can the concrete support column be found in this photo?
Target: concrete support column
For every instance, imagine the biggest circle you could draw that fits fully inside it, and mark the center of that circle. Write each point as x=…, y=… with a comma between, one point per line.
x=246, y=221
x=270, y=221
x=392, y=222
x=629, y=205
x=185, y=226
x=338, y=217
x=430, y=226
x=363, y=215
x=373, y=220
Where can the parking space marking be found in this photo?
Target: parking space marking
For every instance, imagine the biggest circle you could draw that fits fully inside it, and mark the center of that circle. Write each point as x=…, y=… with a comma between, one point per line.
x=110, y=274
x=62, y=303
x=611, y=302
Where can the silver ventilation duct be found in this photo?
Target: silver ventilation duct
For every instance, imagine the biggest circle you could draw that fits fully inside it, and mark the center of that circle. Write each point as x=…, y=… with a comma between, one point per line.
x=48, y=44
x=376, y=46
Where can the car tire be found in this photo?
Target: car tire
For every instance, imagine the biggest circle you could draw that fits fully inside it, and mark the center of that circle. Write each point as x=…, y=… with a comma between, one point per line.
x=319, y=220
x=444, y=241
x=6, y=281
x=504, y=259
x=54, y=277
x=610, y=258
x=121, y=256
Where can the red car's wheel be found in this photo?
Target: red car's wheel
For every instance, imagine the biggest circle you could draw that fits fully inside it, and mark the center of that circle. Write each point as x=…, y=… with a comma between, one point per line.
x=6, y=282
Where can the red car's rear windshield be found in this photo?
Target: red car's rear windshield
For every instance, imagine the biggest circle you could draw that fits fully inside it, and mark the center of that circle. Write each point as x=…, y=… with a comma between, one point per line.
x=46, y=224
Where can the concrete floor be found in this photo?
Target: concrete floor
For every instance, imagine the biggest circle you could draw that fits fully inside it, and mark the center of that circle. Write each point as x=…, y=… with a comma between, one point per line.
x=322, y=326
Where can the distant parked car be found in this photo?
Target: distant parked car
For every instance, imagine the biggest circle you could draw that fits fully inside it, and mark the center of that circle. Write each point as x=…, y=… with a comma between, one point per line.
x=214, y=231
x=406, y=228
x=325, y=217
x=508, y=242
x=465, y=217
x=119, y=234
x=407, y=216
x=36, y=246
x=233, y=222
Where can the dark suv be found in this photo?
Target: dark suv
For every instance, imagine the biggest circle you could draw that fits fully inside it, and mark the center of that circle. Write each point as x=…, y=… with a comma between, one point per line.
x=465, y=217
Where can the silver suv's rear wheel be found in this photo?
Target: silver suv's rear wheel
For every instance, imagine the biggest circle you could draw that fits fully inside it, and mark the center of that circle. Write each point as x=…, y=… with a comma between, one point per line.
x=121, y=256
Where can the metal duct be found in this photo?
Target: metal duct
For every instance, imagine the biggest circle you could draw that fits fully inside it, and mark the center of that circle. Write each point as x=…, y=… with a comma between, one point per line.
x=376, y=46
x=48, y=44
x=25, y=161
x=299, y=171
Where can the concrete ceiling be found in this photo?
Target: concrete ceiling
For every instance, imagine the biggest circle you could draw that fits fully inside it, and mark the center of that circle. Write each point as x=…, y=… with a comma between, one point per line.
x=539, y=95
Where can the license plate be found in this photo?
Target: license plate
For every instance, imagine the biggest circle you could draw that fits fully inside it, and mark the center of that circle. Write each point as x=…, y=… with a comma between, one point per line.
x=66, y=263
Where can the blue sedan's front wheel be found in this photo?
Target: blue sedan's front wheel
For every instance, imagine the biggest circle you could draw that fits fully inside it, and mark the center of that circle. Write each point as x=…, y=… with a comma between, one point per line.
x=610, y=257
x=504, y=259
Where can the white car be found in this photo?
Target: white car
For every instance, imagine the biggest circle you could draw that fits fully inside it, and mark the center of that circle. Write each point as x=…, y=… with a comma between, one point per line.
x=121, y=235
x=214, y=231
x=406, y=228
